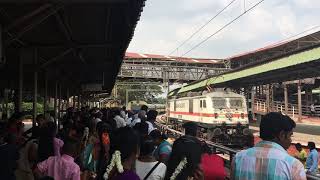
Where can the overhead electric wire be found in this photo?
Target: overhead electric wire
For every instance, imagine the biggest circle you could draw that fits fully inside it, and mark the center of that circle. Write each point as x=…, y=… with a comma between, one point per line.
x=203, y=26
x=293, y=36
x=223, y=27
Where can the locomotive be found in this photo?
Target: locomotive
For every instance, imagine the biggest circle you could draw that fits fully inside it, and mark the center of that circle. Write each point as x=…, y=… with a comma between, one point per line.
x=221, y=115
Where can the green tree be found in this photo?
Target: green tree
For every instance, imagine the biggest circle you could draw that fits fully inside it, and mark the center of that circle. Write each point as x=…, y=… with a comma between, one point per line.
x=149, y=95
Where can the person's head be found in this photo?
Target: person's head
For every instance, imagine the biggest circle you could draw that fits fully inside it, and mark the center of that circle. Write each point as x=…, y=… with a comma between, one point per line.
x=130, y=114
x=298, y=147
x=71, y=147
x=147, y=147
x=15, y=119
x=116, y=112
x=70, y=112
x=142, y=115
x=51, y=129
x=40, y=120
x=141, y=128
x=3, y=132
x=104, y=130
x=144, y=108
x=126, y=140
x=20, y=127
x=17, y=116
x=311, y=145
x=46, y=147
x=184, y=147
x=152, y=115
x=190, y=128
x=278, y=128
x=98, y=114
x=124, y=108
x=157, y=136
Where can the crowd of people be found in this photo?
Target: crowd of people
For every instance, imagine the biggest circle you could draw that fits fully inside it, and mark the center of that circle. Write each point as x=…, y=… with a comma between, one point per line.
x=116, y=144
x=101, y=144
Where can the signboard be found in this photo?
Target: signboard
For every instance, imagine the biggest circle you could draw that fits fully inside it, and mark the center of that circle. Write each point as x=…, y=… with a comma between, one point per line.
x=303, y=81
x=91, y=87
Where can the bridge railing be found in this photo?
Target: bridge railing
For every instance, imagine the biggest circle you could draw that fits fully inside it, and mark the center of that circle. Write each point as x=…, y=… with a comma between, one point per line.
x=260, y=106
x=225, y=152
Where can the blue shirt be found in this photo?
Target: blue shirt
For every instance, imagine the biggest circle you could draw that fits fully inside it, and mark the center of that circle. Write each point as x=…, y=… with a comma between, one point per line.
x=164, y=148
x=312, y=161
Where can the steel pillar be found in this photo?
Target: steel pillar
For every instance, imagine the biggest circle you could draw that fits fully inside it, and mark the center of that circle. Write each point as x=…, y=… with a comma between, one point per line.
x=79, y=99
x=299, y=102
x=59, y=102
x=253, y=94
x=268, y=98
x=35, y=88
x=74, y=101
x=20, y=94
x=6, y=104
x=67, y=98
x=45, y=100
x=59, y=106
x=285, y=93
x=55, y=102
x=308, y=97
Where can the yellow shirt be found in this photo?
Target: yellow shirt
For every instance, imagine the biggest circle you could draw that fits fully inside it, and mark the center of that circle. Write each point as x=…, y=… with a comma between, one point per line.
x=302, y=155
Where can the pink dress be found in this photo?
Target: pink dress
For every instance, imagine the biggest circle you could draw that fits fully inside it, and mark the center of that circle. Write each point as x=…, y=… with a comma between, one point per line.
x=60, y=168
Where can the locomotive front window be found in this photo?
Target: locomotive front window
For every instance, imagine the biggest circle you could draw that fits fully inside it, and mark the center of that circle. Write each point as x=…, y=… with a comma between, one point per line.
x=219, y=103
x=235, y=103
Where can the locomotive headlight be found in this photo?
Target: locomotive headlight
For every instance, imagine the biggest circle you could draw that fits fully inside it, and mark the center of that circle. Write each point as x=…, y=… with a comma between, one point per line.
x=217, y=132
x=229, y=115
x=216, y=115
x=242, y=115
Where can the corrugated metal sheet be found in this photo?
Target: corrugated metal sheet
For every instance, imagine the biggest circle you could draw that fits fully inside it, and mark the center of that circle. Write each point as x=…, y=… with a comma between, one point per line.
x=131, y=55
x=292, y=60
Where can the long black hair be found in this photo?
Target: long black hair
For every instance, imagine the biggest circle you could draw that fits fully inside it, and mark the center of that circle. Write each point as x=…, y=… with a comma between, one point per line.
x=125, y=140
x=47, y=133
x=103, y=155
x=184, y=147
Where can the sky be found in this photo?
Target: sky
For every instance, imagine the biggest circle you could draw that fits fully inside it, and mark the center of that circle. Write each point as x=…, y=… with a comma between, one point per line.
x=165, y=24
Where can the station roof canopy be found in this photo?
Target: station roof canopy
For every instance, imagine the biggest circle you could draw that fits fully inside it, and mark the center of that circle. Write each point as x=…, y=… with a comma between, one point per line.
x=72, y=42
x=139, y=56
x=272, y=51
x=299, y=65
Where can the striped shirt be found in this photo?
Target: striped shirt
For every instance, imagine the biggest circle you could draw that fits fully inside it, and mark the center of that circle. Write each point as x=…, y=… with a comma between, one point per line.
x=267, y=161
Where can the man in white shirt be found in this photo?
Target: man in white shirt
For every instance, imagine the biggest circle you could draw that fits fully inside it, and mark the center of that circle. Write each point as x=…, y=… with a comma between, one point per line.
x=138, y=118
x=119, y=120
x=151, y=118
x=97, y=118
x=123, y=113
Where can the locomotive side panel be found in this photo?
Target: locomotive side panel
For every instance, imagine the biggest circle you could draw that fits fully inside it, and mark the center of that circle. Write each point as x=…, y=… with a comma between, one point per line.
x=182, y=110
